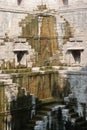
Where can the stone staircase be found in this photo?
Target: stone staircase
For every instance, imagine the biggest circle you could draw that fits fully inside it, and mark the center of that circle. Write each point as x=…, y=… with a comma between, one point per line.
x=79, y=122
x=43, y=110
x=45, y=107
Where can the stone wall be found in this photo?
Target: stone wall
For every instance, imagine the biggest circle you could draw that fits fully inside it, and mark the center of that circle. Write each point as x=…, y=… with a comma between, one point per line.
x=77, y=18
x=9, y=23
x=78, y=86
x=75, y=45
x=12, y=15
x=16, y=54
x=42, y=85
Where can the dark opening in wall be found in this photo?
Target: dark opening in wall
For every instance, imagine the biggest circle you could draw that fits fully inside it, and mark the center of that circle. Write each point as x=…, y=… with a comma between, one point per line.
x=77, y=55
x=20, y=55
x=65, y=2
x=19, y=2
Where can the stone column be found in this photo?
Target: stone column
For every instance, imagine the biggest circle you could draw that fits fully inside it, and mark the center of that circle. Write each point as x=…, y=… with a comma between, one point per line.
x=2, y=105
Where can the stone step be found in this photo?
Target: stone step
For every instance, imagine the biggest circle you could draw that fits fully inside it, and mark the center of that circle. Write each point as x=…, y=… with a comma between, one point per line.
x=82, y=123
x=6, y=81
x=84, y=128
x=73, y=115
x=32, y=121
x=79, y=119
x=5, y=76
x=50, y=106
x=29, y=126
x=71, y=110
x=38, y=117
x=52, y=101
x=46, y=108
x=43, y=112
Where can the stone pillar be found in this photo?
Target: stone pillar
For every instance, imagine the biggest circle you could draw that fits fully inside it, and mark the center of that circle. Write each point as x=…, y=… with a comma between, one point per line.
x=2, y=105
